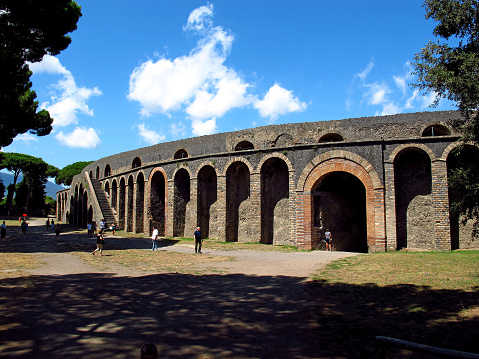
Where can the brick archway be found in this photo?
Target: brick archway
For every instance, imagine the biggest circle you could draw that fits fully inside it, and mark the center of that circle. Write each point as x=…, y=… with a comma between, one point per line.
x=374, y=202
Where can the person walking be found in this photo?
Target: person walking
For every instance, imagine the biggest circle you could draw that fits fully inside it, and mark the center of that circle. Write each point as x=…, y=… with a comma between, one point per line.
x=88, y=227
x=53, y=225
x=154, y=239
x=24, y=226
x=113, y=228
x=48, y=224
x=3, y=230
x=328, y=238
x=100, y=242
x=198, y=240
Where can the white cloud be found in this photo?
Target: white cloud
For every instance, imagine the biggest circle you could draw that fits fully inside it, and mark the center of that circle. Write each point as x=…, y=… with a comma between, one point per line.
x=25, y=137
x=68, y=99
x=149, y=136
x=199, y=84
x=363, y=74
x=278, y=101
x=178, y=130
x=80, y=137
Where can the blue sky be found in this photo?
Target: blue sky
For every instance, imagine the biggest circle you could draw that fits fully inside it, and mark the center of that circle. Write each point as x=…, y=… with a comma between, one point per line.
x=144, y=72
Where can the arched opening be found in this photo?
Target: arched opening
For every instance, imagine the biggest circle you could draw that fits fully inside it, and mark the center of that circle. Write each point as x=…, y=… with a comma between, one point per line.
x=275, y=202
x=91, y=174
x=238, y=203
x=180, y=202
x=436, y=130
x=136, y=162
x=85, y=209
x=331, y=137
x=140, y=201
x=107, y=188
x=114, y=195
x=414, y=208
x=107, y=171
x=284, y=140
x=67, y=217
x=207, y=212
x=79, y=209
x=462, y=164
x=244, y=145
x=181, y=153
x=121, y=204
x=90, y=214
x=98, y=172
x=157, y=202
x=129, y=206
x=339, y=204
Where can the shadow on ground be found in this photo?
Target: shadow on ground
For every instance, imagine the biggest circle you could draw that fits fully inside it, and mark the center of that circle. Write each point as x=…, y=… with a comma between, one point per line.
x=187, y=316
x=349, y=317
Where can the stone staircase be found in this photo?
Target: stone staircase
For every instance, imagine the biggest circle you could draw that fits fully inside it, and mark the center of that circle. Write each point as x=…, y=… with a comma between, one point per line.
x=103, y=201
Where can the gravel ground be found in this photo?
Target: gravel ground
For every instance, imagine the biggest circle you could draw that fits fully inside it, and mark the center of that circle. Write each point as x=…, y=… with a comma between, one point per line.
x=258, y=307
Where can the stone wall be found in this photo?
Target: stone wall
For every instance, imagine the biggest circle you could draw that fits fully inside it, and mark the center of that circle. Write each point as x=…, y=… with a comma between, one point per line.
x=379, y=183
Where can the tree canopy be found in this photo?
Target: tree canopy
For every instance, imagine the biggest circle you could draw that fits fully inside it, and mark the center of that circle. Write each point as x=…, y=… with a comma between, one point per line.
x=450, y=68
x=35, y=173
x=28, y=31
x=66, y=174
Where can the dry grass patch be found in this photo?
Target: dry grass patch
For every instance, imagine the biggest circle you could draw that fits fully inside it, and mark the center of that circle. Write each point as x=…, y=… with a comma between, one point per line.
x=425, y=297
x=15, y=264
x=149, y=261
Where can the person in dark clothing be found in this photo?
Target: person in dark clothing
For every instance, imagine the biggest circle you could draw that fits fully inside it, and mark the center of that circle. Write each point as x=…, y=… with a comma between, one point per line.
x=99, y=243
x=198, y=240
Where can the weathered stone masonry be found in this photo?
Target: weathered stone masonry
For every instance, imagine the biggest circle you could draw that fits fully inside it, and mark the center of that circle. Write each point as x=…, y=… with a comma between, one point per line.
x=377, y=183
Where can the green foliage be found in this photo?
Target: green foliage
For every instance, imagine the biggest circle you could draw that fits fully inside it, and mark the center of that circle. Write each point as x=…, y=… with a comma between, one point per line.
x=66, y=174
x=28, y=31
x=450, y=68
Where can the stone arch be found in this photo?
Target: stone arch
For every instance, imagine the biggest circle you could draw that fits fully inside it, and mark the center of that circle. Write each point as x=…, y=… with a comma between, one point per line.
x=244, y=145
x=238, y=159
x=414, y=201
x=331, y=137
x=421, y=146
x=275, y=155
x=90, y=214
x=84, y=209
x=467, y=157
x=106, y=185
x=435, y=129
x=121, y=203
x=350, y=164
x=107, y=171
x=129, y=205
x=275, y=216
x=114, y=195
x=207, y=196
x=140, y=202
x=181, y=198
x=238, y=201
x=157, y=213
x=284, y=140
x=181, y=153
x=136, y=163
x=97, y=172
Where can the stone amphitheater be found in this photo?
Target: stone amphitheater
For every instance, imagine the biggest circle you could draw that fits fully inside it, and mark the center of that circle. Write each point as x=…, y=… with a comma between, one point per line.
x=378, y=184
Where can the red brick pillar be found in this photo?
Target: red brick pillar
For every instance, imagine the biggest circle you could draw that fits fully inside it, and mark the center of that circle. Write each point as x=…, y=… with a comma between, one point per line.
x=440, y=203
x=390, y=203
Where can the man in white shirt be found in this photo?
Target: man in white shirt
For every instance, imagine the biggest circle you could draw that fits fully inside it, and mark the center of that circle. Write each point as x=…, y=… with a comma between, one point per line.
x=154, y=239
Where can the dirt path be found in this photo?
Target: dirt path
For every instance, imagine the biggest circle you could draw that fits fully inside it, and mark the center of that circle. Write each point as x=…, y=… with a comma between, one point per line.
x=258, y=309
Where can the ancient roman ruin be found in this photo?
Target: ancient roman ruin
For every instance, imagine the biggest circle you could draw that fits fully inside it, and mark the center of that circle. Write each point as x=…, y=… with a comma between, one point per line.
x=378, y=184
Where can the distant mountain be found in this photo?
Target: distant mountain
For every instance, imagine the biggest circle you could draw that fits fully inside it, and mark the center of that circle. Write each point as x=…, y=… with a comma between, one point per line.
x=50, y=188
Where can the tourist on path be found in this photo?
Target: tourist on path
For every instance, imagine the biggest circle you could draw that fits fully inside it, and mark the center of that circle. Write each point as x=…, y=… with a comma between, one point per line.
x=198, y=240
x=48, y=224
x=3, y=230
x=113, y=228
x=24, y=227
x=329, y=238
x=102, y=225
x=100, y=241
x=154, y=239
x=57, y=230
x=53, y=225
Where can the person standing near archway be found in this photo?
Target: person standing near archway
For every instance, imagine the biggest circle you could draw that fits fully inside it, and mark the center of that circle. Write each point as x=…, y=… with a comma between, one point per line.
x=328, y=237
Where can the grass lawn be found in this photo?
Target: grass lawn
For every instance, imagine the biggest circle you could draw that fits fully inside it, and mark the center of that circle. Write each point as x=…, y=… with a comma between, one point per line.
x=425, y=297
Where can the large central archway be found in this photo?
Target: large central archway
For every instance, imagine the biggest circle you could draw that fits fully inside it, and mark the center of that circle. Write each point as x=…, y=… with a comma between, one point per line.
x=319, y=178
x=339, y=204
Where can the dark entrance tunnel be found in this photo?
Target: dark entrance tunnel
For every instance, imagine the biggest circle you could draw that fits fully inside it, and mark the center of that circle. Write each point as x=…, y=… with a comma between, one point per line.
x=339, y=204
